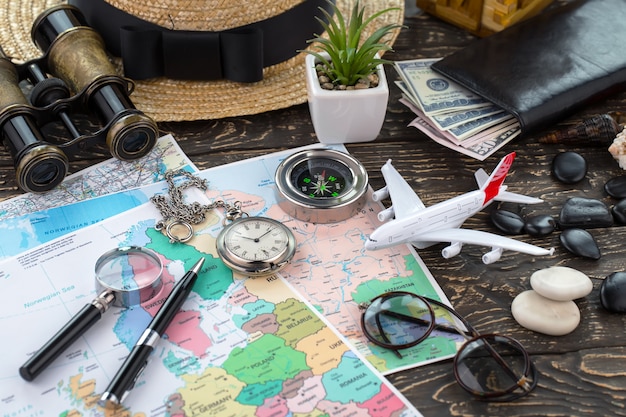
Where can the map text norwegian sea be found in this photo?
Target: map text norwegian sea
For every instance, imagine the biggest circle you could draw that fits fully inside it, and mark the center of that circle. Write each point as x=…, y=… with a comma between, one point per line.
x=32, y=219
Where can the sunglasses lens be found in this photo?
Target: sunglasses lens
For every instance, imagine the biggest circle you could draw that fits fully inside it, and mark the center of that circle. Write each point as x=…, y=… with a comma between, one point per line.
x=398, y=320
x=494, y=366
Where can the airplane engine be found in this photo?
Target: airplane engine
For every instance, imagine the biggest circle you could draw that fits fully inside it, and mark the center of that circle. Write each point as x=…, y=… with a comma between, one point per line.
x=452, y=250
x=380, y=195
x=386, y=214
x=492, y=256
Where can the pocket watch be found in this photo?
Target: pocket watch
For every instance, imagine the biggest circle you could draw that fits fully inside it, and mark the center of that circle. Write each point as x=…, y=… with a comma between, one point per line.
x=256, y=246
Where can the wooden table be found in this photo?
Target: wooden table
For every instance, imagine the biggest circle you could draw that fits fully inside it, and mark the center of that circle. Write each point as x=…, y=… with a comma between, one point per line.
x=583, y=373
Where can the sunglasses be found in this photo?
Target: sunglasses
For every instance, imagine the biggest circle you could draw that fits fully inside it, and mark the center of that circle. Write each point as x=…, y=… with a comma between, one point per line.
x=492, y=367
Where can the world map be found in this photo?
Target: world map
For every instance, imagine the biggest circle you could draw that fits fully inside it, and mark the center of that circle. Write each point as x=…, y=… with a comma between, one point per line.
x=32, y=219
x=263, y=345
x=238, y=347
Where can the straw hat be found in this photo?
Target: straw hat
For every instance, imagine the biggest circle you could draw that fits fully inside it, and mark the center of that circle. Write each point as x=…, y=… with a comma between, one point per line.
x=167, y=99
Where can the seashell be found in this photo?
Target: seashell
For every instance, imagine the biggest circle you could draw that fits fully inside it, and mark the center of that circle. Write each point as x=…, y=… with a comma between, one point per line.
x=618, y=149
x=619, y=117
x=596, y=130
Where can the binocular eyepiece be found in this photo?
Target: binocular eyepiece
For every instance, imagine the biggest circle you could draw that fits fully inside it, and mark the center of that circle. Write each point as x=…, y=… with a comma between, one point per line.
x=74, y=75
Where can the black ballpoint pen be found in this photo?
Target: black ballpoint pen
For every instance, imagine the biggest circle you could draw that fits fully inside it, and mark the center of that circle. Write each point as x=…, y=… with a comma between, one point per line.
x=79, y=324
x=125, y=378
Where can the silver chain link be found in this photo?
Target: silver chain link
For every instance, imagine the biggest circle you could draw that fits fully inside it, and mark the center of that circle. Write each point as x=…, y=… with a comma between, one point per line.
x=174, y=210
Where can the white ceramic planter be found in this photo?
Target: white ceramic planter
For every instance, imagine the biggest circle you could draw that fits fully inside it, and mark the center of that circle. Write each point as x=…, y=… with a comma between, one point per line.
x=346, y=116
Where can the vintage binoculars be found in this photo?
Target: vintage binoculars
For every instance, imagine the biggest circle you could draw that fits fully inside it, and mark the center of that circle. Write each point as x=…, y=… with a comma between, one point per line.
x=74, y=75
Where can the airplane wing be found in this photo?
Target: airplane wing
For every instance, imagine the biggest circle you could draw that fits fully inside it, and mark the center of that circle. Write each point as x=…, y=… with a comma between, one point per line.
x=457, y=237
x=403, y=199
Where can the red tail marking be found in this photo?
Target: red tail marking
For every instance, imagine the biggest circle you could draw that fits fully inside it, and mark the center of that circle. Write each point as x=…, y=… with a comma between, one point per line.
x=492, y=187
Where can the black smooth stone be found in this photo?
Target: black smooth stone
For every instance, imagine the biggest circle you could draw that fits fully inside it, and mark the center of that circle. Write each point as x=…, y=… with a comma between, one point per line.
x=580, y=243
x=584, y=213
x=619, y=212
x=507, y=222
x=613, y=292
x=616, y=187
x=569, y=167
x=539, y=225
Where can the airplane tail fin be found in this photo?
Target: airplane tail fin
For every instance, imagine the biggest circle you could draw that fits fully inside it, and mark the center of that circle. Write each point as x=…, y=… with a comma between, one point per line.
x=492, y=185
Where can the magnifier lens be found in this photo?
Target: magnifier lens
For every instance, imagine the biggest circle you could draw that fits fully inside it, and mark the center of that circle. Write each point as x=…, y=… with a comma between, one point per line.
x=132, y=273
x=128, y=276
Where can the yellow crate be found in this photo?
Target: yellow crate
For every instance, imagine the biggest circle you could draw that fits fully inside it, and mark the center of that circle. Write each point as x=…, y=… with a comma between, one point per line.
x=483, y=17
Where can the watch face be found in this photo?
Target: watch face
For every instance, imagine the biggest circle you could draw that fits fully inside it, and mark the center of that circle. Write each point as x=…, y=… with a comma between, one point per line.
x=256, y=239
x=256, y=245
x=321, y=178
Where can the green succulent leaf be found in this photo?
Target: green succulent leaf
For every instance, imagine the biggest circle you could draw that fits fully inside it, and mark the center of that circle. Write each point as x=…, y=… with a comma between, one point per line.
x=350, y=58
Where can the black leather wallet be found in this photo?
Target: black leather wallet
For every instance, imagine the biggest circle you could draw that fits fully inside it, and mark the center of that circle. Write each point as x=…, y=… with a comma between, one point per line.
x=549, y=66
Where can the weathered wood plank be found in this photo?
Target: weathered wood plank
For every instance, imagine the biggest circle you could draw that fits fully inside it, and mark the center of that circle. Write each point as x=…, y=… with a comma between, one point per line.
x=581, y=374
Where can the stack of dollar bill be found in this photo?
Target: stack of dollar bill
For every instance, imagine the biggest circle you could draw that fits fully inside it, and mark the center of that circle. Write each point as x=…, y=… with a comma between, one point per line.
x=452, y=115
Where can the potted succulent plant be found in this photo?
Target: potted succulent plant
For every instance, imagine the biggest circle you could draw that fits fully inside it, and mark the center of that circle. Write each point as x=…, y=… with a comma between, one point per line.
x=346, y=84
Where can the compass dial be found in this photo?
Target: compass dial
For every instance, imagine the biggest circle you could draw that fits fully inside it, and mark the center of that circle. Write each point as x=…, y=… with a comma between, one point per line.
x=322, y=178
x=321, y=185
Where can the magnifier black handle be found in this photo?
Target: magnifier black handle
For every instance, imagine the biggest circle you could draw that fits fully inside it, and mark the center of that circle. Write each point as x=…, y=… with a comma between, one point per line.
x=79, y=324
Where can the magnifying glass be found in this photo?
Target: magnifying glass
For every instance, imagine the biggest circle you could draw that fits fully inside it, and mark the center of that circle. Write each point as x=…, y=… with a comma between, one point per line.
x=125, y=277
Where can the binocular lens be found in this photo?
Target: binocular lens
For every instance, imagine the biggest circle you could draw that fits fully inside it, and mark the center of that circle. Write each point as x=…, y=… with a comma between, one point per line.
x=131, y=134
x=131, y=137
x=134, y=142
x=44, y=173
x=39, y=165
x=74, y=71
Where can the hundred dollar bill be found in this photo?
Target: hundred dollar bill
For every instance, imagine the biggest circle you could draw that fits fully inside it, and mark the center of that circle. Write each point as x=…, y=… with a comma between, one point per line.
x=447, y=121
x=433, y=92
x=489, y=141
x=480, y=151
x=510, y=125
x=453, y=118
x=467, y=131
x=407, y=93
x=473, y=127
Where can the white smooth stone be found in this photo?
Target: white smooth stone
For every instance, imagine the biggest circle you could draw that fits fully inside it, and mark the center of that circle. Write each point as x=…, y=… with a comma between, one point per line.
x=540, y=314
x=561, y=283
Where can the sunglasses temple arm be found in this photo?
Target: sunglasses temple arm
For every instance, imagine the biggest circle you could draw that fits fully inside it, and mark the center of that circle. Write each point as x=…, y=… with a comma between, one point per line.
x=384, y=336
x=456, y=330
x=522, y=383
x=438, y=326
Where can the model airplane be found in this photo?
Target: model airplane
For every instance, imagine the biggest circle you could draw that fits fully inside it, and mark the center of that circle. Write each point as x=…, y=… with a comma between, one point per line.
x=423, y=227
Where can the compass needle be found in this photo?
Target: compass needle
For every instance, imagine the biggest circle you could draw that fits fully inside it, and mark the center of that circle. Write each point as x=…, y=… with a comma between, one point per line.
x=321, y=185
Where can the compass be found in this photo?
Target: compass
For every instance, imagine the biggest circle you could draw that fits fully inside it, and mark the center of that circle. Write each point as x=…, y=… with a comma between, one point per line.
x=321, y=185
